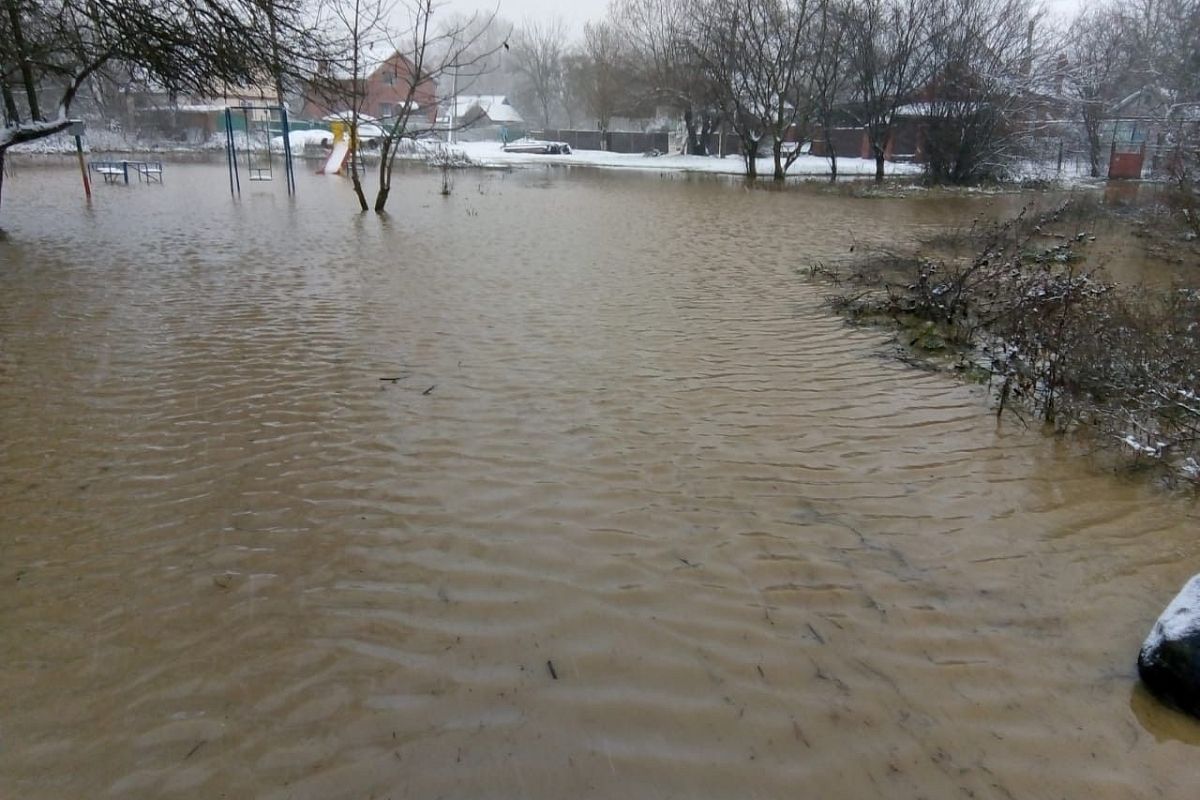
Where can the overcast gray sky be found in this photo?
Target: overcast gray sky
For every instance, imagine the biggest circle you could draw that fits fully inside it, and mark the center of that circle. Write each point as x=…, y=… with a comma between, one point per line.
x=573, y=12
x=576, y=12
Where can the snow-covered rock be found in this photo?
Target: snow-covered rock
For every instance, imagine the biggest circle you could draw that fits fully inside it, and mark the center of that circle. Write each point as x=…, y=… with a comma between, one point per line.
x=1169, y=663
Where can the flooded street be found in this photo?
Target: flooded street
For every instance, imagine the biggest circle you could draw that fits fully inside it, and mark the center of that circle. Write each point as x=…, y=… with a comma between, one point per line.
x=566, y=485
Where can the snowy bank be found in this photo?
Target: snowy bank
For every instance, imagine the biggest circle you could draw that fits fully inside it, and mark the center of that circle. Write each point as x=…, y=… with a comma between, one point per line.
x=100, y=140
x=493, y=154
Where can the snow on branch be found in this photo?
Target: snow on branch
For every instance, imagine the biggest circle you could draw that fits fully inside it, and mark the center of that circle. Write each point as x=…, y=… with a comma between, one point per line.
x=31, y=131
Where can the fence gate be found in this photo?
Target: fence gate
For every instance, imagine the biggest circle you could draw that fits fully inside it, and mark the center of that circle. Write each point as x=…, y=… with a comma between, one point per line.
x=1125, y=160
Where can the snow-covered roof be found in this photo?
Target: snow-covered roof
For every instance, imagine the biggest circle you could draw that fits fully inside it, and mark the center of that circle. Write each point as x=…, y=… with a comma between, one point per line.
x=913, y=110
x=1154, y=101
x=496, y=106
x=413, y=106
x=192, y=108
x=347, y=116
x=927, y=109
x=1150, y=95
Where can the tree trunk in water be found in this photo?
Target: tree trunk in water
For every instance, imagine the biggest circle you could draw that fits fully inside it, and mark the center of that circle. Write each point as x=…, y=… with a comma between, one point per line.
x=385, y=176
x=358, y=190
x=878, y=166
x=777, y=154
x=2, y=154
x=750, y=154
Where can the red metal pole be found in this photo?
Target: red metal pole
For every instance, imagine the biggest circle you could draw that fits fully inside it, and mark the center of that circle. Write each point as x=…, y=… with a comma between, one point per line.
x=87, y=186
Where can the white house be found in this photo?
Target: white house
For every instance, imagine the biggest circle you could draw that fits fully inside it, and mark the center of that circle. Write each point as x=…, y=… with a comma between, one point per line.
x=480, y=115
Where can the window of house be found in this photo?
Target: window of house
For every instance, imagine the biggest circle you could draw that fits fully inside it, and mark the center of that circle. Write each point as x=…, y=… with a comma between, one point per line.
x=386, y=109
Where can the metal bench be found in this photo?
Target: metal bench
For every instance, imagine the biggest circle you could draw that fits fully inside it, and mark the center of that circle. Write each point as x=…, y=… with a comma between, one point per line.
x=111, y=171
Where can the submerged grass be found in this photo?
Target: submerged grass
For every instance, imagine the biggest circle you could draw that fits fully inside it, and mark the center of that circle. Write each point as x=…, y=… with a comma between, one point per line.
x=1021, y=306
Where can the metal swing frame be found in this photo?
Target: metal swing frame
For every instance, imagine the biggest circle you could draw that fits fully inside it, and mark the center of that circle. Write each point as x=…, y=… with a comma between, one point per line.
x=256, y=173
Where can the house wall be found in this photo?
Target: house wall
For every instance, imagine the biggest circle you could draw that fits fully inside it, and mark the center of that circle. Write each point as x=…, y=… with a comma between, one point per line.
x=847, y=142
x=319, y=101
x=387, y=87
x=730, y=144
x=384, y=90
x=905, y=144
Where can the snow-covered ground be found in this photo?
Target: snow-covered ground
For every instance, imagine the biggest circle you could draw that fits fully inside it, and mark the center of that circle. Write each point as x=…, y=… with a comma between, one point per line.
x=99, y=140
x=301, y=139
x=492, y=154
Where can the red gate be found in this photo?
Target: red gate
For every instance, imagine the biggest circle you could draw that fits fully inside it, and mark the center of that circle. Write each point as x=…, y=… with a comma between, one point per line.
x=1125, y=160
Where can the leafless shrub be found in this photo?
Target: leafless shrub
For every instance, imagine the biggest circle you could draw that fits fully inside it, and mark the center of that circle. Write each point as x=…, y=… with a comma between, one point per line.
x=1056, y=339
x=443, y=157
x=1184, y=200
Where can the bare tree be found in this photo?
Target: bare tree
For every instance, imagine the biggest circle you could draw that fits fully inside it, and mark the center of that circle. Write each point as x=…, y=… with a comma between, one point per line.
x=889, y=60
x=759, y=52
x=1165, y=37
x=831, y=70
x=1095, y=71
x=776, y=67
x=716, y=41
x=355, y=29
x=574, y=85
x=600, y=71
x=663, y=64
x=433, y=55
x=537, y=50
x=420, y=57
x=984, y=98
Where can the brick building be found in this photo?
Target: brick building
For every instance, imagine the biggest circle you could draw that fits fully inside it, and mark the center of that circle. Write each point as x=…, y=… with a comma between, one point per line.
x=382, y=92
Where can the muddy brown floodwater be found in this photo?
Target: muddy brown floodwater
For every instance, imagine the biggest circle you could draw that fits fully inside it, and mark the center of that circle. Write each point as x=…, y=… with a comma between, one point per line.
x=635, y=516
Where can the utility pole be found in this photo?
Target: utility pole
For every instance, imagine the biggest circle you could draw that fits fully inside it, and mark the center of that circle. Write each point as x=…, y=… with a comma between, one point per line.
x=453, y=105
